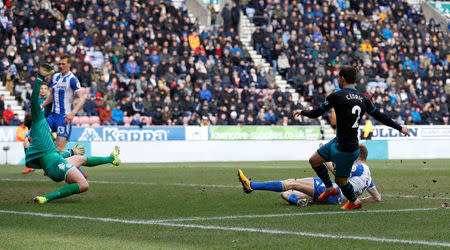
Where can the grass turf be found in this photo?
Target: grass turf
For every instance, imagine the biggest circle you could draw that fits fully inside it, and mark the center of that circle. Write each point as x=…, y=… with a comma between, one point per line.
x=165, y=191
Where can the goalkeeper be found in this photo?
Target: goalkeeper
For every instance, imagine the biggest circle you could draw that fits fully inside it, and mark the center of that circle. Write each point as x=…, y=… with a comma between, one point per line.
x=76, y=150
x=43, y=154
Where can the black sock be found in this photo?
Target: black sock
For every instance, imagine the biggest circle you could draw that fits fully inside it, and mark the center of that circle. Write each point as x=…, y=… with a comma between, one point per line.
x=348, y=192
x=322, y=172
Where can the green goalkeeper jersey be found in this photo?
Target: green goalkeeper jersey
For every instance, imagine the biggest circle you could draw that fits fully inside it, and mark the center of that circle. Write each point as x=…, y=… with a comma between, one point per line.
x=41, y=136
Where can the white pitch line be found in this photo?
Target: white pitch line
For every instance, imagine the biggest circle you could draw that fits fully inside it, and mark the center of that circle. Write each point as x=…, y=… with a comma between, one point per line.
x=296, y=214
x=309, y=234
x=208, y=185
x=238, y=229
x=131, y=183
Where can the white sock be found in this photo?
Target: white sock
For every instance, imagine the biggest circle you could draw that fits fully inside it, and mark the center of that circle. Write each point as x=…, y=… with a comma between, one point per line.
x=356, y=202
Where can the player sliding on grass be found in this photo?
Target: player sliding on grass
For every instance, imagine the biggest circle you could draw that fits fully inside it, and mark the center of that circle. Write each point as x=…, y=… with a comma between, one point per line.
x=42, y=152
x=302, y=192
x=350, y=106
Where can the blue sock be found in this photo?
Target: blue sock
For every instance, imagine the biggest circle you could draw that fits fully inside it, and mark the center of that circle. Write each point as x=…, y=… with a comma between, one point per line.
x=293, y=199
x=276, y=186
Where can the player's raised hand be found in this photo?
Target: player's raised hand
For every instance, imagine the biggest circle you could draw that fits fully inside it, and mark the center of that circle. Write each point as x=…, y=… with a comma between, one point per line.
x=69, y=117
x=297, y=113
x=405, y=130
x=78, y=150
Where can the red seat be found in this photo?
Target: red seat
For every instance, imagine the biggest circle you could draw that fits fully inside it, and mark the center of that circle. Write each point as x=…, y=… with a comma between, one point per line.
x=84, y=121
x=185, y=120
x=94, y=120
x=76, y=121
x=148, y=120
x=127, y=120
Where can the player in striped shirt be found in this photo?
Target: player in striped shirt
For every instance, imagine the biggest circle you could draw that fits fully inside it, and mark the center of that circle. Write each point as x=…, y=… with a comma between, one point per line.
x=64, y=85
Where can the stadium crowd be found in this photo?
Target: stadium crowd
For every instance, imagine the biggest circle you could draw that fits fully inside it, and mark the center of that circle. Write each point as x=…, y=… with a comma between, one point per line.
x=145, y=62
x=403, y=62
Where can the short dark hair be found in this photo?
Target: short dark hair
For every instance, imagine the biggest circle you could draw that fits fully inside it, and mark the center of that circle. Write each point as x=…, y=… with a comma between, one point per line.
x=65, y=56
x=363, y=153
x=348, y=73
x=28, y=121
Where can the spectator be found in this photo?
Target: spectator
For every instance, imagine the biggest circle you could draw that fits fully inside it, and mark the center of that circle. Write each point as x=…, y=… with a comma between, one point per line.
x=8, y=114
x=105, y=116
x=15, y=120
x=132, y=68
x=193, y=120
x=3, y=121
x=89, y=106
x=136, y=121
x=138, y=107
x=368, y=129
x=117, y=115
x=205, y=93
x=2, y=103
x=21, y=132
x=226, y=16
x=235, y=15
x=194, y=42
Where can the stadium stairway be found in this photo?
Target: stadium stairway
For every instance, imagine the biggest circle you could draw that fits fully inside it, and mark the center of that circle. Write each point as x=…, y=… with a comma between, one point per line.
x=11, y=100
x=246, y=30
x=178, y=3
x=327, y=130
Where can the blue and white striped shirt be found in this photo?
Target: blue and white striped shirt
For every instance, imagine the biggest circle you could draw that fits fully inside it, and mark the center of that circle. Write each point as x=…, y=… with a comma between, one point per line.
x=64, y=88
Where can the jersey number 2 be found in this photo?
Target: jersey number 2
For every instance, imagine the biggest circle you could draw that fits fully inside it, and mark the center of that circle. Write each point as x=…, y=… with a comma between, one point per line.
x=356, y=110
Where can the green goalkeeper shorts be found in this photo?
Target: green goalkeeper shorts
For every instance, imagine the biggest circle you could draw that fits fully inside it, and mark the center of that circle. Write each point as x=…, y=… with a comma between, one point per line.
x=55, y=166
x=42, y=143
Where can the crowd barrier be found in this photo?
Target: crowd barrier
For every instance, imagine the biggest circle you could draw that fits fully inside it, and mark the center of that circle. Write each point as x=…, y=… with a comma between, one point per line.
x=235, y=151
x=225, y=133
x=235, y=143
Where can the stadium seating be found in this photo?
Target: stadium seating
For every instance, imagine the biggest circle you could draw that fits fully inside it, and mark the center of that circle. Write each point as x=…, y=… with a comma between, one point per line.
x=76, y=121
x=84, y=121
x=315, y=36
x=94, y=121
x=127, y=120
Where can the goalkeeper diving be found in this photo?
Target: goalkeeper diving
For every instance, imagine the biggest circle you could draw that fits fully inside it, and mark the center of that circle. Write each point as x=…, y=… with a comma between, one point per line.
x=43, y=154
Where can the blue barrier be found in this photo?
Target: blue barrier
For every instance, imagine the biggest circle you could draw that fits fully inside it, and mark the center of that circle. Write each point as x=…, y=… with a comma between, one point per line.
x=128, y=133
x=378, y=149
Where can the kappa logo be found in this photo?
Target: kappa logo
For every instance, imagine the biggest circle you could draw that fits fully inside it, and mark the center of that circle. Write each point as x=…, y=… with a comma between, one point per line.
x=89, y=134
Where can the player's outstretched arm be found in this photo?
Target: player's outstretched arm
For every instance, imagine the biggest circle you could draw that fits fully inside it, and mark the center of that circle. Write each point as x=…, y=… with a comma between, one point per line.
x=309, y=113
x=389, y=122
x=375, y=196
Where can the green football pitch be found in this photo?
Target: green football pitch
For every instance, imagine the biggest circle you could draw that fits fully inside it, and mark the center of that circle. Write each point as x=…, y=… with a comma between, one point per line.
x=201, y=205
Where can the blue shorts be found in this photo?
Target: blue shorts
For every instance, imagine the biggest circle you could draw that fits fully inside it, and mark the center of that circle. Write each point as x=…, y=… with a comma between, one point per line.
x=343, y=160
x=56, y=124
x=319, y=188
